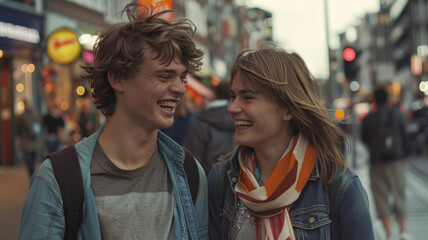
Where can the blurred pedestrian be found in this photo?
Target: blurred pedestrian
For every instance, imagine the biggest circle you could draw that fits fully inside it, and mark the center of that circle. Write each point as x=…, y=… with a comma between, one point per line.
x=287, y=178
x=384, y=133
x=212, y=134
x=184, y=117
x=135, y=184
x=28, y=127
x=53, y=128
x=89, y=119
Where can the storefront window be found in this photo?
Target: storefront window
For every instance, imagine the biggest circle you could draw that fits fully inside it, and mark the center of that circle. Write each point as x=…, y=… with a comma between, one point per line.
x=26, y=2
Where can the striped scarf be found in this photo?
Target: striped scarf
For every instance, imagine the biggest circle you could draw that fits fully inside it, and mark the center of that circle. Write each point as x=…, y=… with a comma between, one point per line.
x=269, y=203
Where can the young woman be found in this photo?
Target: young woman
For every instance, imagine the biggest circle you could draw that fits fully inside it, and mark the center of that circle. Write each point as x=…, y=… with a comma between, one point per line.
x=287, y=178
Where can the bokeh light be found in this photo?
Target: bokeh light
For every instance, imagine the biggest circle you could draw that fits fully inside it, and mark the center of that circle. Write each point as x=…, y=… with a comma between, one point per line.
x=20, y=87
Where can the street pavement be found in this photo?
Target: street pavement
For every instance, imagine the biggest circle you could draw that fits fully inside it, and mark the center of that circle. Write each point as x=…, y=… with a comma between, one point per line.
x=14, y=183
x=416, y=195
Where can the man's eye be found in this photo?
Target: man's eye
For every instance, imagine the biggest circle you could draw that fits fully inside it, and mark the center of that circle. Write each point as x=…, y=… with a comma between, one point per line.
x=165, y=76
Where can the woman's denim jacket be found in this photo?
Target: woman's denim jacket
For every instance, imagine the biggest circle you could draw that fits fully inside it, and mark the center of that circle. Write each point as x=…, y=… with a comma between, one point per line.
x=43, y=215
x=311, y=215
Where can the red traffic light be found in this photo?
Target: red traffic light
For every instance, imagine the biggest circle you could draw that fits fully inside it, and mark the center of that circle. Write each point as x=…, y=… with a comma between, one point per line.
x=349, y=54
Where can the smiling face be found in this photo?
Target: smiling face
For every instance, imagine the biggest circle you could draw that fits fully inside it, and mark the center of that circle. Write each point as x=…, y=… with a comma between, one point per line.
x=149, y=98
x=259, y=120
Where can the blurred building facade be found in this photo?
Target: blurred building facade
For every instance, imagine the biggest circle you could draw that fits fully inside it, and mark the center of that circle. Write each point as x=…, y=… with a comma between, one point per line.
x=393, y=49
x=43, y=43
x=21, y=37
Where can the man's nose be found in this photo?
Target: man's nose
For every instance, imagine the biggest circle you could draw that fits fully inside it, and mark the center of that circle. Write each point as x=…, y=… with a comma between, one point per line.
x=178, y=86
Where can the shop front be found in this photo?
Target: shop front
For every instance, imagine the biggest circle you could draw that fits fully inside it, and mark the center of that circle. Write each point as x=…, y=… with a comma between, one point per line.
x=20, y=61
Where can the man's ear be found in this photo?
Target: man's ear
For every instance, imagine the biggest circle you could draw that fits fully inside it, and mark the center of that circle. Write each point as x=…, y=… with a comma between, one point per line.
x=116, y=84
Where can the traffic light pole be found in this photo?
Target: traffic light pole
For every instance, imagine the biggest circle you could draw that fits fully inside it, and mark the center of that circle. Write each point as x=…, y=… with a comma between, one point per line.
x=329, y=93
x=354, y=132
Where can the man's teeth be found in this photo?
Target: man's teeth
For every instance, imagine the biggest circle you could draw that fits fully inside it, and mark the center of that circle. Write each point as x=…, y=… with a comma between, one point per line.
x=167, y=104
x=243, y=123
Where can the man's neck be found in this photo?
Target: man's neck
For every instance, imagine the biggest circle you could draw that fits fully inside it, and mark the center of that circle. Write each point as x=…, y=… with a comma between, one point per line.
x=127, y=147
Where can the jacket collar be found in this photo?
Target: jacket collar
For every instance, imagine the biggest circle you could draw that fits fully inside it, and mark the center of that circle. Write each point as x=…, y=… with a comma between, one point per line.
x=170, y=148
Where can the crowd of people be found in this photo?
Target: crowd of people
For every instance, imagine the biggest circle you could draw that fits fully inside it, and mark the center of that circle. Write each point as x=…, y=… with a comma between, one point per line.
x=267, y=157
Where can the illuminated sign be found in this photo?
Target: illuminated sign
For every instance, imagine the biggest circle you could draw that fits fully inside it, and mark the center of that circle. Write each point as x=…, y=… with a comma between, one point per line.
x=63, y=46
x=19, y=32
x=159, y=5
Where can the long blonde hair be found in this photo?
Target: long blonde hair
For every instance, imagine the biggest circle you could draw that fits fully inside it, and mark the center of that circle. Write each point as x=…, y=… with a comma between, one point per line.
x=287, y=79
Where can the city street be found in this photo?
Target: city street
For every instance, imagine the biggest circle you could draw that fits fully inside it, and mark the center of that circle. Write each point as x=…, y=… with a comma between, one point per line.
x=416, y=196
x=14, y=185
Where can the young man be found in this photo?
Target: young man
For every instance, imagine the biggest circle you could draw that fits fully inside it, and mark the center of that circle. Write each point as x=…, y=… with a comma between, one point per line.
x=134, y=182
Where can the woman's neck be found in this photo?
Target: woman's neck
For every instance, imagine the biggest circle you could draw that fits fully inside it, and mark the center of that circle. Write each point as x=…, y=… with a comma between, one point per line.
x=268, y=157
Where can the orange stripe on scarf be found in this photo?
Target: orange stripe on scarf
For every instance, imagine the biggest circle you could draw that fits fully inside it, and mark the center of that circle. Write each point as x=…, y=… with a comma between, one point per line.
x=281, y=170
x=245, y=181
x=307, y=167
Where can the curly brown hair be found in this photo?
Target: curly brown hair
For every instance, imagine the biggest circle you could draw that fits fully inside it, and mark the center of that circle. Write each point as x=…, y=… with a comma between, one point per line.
x=121, y=49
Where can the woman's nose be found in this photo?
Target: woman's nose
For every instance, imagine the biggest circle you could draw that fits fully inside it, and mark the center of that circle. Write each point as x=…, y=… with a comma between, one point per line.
x=234, y=106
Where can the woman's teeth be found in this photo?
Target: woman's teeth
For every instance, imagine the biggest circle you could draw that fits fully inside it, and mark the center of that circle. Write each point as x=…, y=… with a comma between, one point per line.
x=169, y=105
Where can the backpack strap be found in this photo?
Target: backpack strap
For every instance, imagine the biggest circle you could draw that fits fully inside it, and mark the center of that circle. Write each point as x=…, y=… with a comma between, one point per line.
x=66, y=168
x=192, y=173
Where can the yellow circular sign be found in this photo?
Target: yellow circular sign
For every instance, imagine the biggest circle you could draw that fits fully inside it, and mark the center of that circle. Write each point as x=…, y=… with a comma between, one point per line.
x=63, y=46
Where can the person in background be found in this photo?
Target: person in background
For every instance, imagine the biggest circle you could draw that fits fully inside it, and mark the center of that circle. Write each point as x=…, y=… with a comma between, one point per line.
x=380, y=128
x=135, y=186
x=184, y=118
x=29, y=129
x=89, y=118
x=287, y=177
x=53, y=128
x=212, y=134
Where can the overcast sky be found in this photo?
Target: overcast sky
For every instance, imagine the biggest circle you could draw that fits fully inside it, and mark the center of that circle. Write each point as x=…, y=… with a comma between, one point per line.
x=299, y=25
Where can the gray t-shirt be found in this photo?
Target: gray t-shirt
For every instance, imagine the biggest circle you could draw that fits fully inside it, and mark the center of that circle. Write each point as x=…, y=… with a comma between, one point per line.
x=132, y=204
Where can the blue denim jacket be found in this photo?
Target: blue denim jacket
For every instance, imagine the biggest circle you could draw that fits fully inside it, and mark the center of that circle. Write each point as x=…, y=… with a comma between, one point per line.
x=311, y=215
x=43, y=215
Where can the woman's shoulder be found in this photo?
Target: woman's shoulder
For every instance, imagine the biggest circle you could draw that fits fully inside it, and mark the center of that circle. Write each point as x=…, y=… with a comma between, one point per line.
x=344, y=175
x=221, y=167
x=346, y=181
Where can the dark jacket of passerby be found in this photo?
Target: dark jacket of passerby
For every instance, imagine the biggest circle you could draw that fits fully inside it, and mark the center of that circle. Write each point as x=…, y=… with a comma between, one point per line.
x=28, y=127
x=53, y=125
x=212, y=134
x=388, y=118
